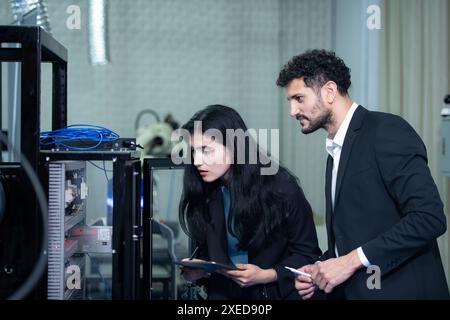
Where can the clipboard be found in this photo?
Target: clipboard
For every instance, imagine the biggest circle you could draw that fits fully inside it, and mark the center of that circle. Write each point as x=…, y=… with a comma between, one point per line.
x=208, y=266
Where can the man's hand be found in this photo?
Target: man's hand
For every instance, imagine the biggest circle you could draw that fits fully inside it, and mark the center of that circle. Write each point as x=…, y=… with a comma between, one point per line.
x=250, y=274
x=332, y=272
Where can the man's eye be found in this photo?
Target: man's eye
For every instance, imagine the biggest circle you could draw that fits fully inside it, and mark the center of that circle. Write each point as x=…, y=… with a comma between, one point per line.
x=299, y=99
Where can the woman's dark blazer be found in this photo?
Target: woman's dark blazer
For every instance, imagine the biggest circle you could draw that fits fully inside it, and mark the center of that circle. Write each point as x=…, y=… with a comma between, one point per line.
x=294, y=244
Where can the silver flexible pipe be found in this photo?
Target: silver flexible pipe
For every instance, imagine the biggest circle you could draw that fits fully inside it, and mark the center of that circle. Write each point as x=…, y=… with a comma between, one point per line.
x=21, y=7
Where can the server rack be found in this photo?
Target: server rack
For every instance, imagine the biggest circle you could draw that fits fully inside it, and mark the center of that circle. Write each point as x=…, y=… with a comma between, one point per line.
x=21, y=229
x=126, y=222
x=67, y=194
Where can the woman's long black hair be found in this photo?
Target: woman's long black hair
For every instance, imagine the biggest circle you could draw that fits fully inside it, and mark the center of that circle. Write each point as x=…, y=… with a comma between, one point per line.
x=257, y=208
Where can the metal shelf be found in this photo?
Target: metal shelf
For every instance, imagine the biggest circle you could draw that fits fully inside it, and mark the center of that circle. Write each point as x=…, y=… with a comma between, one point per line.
x=72, y=221
x=70, y=248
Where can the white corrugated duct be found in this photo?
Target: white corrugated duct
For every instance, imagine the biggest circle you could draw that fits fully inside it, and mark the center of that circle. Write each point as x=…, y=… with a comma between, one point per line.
x=98, y=44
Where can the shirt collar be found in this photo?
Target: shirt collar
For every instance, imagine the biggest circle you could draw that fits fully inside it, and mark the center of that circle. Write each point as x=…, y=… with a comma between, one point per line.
x=338, y=140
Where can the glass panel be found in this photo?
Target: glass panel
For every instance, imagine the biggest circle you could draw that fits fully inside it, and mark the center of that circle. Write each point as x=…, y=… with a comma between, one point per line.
x=99, y=218
x=166, y=278
x=11, y=107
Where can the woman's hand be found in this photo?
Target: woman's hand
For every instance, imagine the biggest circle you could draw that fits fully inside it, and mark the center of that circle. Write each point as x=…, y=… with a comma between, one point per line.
x=191, y=274
x=305, y=285
x=250, y=274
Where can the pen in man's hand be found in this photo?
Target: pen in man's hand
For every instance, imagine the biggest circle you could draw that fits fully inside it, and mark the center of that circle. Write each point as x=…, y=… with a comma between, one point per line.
x=298, y=272
x=194, y=253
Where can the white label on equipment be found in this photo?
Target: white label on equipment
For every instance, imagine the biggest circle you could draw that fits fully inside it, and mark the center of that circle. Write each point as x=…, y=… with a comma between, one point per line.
x=83, y=191
x=103, y=234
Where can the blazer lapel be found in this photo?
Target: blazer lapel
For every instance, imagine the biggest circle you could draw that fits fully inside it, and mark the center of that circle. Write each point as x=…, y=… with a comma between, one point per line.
x=218, y=225
x=353, y=127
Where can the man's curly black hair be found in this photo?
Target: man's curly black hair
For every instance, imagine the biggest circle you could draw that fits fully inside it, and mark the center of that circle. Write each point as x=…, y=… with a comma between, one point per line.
x=316, y=67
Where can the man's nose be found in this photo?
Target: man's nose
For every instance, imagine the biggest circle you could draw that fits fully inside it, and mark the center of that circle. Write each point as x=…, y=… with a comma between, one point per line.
x=294, y=109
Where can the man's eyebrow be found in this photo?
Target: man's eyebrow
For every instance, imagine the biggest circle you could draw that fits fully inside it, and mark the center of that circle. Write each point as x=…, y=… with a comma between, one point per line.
x=294, y=96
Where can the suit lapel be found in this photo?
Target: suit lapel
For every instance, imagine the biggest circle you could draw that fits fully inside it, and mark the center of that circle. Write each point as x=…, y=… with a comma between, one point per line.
x=345, y=154
x=329, y=206
x=354, y=126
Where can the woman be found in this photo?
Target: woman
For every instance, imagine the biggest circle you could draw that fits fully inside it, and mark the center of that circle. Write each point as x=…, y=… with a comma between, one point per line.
x=260, y=223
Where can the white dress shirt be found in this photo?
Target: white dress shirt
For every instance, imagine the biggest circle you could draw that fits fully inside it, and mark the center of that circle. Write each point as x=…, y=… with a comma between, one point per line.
x=334, y=148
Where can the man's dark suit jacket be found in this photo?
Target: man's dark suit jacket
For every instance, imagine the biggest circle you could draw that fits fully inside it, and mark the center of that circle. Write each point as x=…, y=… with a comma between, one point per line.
x=386, y=202
x=294, y=245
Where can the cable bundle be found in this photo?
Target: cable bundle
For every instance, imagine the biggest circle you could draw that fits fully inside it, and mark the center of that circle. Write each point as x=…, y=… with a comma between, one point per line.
x=78, y=133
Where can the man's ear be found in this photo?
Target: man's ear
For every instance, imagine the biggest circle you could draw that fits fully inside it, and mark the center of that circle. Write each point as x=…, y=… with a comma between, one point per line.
x=329, y=91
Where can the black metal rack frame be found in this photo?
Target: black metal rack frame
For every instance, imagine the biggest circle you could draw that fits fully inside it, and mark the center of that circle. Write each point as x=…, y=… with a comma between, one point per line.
x=36, y=47
x=19, y=232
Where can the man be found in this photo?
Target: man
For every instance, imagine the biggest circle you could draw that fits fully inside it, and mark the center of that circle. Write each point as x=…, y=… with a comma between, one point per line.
x=382, y=205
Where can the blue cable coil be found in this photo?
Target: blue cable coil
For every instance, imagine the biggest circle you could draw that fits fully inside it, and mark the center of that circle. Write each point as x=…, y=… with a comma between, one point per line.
x=76, y=133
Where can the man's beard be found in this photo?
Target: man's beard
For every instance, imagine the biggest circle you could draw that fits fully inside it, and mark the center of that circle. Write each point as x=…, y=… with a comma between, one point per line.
x=321, y=122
